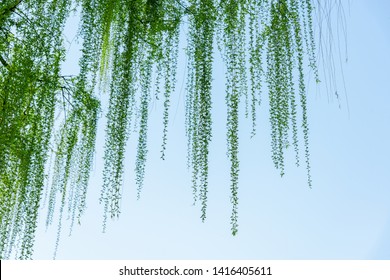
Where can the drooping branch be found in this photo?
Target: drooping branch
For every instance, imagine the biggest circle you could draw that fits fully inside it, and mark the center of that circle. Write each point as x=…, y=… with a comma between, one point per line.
x=124, y=42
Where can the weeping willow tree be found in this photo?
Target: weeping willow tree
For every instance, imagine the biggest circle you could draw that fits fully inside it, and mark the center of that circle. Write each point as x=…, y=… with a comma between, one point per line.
x=48, y=121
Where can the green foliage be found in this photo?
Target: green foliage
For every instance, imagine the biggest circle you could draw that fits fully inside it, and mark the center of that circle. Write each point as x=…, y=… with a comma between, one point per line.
x=232, y=25
x=198, y=100
x=145, y=34
x=130, y=46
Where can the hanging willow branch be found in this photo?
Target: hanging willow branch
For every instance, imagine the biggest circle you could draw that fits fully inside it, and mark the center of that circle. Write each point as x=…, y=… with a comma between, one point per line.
x=132, y=46
x=198, y=107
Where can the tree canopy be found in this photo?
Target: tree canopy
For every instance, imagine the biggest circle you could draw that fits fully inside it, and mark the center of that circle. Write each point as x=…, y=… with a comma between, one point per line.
x=48, y=121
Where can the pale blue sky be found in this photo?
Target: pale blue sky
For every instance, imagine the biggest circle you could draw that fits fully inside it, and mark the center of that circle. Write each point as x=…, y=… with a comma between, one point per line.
x=345, y=216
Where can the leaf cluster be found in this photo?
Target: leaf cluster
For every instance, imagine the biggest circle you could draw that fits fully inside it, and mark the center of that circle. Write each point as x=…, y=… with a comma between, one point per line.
x=130, y=49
